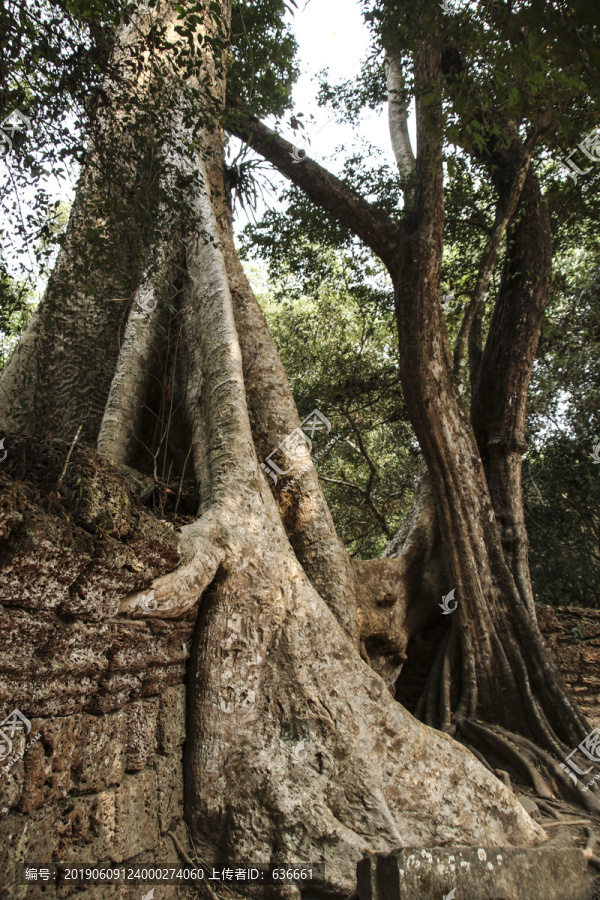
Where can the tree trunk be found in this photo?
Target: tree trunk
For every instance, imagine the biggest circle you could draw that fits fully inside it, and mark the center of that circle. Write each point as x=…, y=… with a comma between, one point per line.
x=501, y=373
x=60, y=376
x=498, y=680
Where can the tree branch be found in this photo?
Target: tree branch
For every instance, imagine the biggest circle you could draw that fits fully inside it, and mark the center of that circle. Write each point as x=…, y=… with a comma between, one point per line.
x=398, y=123
x=377, y=231
x=490, y=255
x=373, y=474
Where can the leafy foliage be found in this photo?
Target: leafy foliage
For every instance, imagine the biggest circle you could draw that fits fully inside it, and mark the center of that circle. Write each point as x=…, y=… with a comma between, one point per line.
x=561, y=477
x=336, y=335
x=263, y=49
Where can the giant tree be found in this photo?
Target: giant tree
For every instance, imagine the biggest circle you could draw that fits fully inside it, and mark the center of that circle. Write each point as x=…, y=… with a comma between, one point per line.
x=150, y=339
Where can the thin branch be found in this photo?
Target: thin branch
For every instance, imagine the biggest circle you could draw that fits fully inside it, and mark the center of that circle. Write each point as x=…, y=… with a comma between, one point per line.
x=373, y=474
x=64, y=471
x=341, y=483
x=546, y=808
x=398, y=124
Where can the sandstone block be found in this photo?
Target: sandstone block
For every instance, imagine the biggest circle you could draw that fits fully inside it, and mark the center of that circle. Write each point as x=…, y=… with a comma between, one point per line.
x=476, y=873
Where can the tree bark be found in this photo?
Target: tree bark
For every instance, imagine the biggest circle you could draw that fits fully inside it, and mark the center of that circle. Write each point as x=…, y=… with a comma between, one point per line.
x=500, y=382
x=59, y=376
x=524, y=692
x=398, y=123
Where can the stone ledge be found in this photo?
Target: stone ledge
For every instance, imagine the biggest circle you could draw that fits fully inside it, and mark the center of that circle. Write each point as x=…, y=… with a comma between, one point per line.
x=490, y=873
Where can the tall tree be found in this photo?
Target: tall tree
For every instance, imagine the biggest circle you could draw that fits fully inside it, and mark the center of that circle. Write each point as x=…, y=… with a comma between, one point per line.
x=150, y=338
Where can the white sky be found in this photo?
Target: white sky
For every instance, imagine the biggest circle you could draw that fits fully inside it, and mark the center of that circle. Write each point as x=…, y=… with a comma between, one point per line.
x=331, y=34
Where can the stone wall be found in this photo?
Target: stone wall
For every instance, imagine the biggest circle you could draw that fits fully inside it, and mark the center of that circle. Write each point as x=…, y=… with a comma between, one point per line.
x=104, y=782
x=573, y=635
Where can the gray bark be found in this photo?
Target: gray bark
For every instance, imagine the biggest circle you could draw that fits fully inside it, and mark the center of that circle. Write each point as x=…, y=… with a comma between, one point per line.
x=398, y=124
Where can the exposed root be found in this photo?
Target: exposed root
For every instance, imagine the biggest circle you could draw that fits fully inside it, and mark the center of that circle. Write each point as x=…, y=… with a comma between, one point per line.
x=505, y=777
x=536, y=719
x=468, y=700
x=547, y=809
x=436, y=695
x=589, y=849
x=538, y=762
x=172, y=595
x=563, y=822
x=481, y=758
x=188, y=861
x=564, y=784
x=445, y=709
x=502, y=746
x=526, y=756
